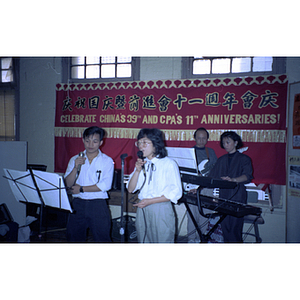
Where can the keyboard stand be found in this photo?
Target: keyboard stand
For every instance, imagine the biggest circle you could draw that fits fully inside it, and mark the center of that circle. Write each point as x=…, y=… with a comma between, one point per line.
x=220, y=207
x=204, y=238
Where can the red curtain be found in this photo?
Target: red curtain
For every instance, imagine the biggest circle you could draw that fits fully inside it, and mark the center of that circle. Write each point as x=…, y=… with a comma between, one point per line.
x=254, y=107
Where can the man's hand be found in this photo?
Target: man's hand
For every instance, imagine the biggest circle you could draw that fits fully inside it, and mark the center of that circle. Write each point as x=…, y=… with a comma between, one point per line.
x=75, y=189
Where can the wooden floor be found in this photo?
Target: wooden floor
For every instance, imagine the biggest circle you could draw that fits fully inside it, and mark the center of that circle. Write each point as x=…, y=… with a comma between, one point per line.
x=54, y=222
x=53, y=229
x=54, y=234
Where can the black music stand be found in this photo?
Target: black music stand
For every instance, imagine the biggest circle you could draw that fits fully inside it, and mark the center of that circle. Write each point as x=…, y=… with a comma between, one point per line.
x=42, y=188
x=122, y=228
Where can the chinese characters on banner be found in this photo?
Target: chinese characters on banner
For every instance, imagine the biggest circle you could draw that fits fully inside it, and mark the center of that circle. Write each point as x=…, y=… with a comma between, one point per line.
x=254, y=107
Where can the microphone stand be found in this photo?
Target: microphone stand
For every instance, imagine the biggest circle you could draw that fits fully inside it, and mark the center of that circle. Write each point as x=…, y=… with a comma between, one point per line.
x=122, y=229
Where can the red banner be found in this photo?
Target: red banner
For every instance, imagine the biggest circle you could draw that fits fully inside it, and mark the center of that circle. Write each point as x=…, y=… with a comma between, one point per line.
x=254, y=107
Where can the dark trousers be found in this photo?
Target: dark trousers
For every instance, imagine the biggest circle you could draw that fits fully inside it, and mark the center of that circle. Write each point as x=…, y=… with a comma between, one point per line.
x=232, y=229
x=93, y=214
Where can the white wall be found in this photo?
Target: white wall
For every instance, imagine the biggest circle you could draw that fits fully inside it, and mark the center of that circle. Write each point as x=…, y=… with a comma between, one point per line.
x=155, y=68
x=38, y=78
x=13, y=157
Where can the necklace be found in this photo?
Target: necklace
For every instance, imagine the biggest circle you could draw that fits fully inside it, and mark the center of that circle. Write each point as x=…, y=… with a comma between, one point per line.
x=91, y=159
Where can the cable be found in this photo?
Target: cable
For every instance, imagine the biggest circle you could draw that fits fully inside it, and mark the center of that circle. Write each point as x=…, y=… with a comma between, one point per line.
x=238, y=187
x=144, y=172
x=179, y=227
x=133, y=202
x=130, y=200
x=145, y=225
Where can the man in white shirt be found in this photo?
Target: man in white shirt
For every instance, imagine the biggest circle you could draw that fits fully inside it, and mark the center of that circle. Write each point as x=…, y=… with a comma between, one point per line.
x=89, y=177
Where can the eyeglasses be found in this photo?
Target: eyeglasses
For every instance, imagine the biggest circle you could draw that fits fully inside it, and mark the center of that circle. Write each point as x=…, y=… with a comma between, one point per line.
x=143, y=143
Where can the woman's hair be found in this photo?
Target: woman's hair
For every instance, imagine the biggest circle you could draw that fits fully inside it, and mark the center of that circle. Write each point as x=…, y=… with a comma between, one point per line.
x=156, y=137
x=234, y=136
x=92, y=130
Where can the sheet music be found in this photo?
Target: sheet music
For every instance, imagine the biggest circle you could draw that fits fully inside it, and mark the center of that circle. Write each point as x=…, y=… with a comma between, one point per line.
x=52, y=189
x=50, y=185
x=185, y=158
x=22, y=186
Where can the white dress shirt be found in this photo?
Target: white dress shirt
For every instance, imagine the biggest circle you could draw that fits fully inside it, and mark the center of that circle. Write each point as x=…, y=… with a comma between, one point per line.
x=165, y=180
x=99, y=172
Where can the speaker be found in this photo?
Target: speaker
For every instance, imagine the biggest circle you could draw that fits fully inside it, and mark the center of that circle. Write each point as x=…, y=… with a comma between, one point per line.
x=130, y=230
x=37, y=167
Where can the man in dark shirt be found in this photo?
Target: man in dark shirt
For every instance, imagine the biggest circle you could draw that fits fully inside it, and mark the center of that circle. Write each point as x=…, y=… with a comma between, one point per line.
x=206, y=159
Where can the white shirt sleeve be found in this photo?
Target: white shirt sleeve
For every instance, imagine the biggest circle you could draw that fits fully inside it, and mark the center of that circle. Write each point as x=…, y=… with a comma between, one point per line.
x=165, y=180
x=99, y=172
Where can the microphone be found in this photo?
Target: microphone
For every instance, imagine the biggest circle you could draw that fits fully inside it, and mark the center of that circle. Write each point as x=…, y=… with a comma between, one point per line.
x=81, y=154
x=140, y=155
x=123, y=156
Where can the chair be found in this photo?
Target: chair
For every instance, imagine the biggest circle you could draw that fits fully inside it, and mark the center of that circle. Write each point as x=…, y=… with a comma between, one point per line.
x=254, y=221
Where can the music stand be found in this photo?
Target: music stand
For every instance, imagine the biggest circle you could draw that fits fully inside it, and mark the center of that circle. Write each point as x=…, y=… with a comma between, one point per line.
x=185, y=158
x=42, y=188
x=186, y=161
x=122, y=229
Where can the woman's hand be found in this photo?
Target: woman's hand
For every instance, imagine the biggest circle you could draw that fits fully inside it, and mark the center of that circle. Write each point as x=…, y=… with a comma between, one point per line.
x=139, y=164
x=242, y=178
x=148, y=201
x=143, y=203
x=228, y=178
